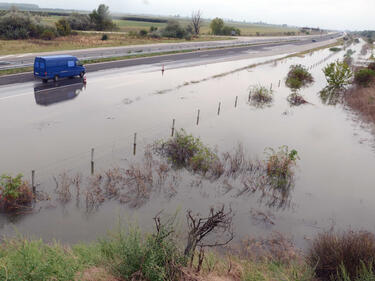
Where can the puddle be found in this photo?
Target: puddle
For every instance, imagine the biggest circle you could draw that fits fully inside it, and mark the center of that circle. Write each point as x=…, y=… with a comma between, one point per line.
x=334, y=179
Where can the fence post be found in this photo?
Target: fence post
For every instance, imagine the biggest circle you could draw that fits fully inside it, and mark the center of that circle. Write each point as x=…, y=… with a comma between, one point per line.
x=235, y=103
x=199, y=111
x=271, y=87
x=249, y=96
x=33, y=181
x=218, y=110
x=92, y=161
x=173, y=123
x=135, y=144
x=279, y=83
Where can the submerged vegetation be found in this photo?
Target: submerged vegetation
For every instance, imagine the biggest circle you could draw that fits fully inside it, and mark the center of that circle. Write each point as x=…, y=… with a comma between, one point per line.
x=298, y=77
x=260, y=96
x=15, y=193
x=280, y=166
x=187, y=151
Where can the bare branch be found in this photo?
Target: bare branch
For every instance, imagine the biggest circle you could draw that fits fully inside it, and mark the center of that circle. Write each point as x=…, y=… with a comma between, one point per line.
x=196, y=21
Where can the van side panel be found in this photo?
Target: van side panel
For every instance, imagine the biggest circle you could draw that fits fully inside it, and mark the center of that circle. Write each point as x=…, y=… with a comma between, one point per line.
x=61, y=66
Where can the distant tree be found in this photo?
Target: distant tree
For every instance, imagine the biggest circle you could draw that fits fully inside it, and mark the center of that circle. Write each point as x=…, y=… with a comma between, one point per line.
x=217, y=26
x=101, y=18
x=174, y=30
x=79, y=22
x=63, y=27
x=196, y=21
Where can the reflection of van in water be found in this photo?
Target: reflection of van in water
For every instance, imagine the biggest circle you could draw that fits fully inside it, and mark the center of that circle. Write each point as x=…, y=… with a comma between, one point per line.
x=55, y=67
x=65, y=90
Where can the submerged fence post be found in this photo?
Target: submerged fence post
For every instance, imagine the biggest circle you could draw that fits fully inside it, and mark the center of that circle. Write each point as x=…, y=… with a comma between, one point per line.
x=235, y=103
x=135, y=144
x=279, y=83
x=33, y=181
x=271, y=87
x=199, y=111
x=218, y=110
x=92, y=161
x=249, y=96
x=173, y=123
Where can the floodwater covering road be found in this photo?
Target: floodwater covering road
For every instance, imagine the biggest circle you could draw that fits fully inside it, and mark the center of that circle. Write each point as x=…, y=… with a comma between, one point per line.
x=51, y=129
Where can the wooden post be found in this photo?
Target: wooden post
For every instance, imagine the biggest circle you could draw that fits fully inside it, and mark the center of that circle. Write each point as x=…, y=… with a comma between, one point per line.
x=279, y=83
x=199, y=111
x=33, y=181
x=92, y=161
x=218, y=110
x=135, y=144
x=173, y=123
x=235, y=103
x=271, y=87
x=249, y=96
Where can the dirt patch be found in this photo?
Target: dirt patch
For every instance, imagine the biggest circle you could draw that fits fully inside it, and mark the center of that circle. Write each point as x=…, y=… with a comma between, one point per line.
x=362, y=101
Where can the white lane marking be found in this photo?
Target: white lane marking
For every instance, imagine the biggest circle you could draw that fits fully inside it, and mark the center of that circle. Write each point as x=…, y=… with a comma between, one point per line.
x=8, y=56
x=14, y=96
x=23, y=55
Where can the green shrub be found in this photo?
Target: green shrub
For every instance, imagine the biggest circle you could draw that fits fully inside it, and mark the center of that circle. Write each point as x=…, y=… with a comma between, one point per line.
x=154, y=258
x=174, y=30
x=105, y=37
x=63, y=27
x=338, y=75
x=14, y=192
x=298, y=77
x=143, y=32
x=80, y=22
x=280, y=165
x=364, y=77
x=260, y=96
x=185, y=150
x=348, y=252
x=48, y=35
x=23, y=260
x=153, y=28
x=15, y=25
x=335, y=49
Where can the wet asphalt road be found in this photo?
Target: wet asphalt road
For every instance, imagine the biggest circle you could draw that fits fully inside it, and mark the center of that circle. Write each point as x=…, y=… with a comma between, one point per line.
x=212, y=54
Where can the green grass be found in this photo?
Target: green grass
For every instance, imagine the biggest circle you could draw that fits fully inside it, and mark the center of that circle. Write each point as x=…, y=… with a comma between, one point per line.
x=16, y=70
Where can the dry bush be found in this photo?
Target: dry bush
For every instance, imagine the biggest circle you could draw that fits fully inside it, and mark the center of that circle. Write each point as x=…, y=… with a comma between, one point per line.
x=362, y=100
x=63, y=183
x=276, y=247
x=296, y=99
x=260, y=96
x=330, y=252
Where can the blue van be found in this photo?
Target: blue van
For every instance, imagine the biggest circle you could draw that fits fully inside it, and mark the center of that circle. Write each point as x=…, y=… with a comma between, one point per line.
x=55, y=67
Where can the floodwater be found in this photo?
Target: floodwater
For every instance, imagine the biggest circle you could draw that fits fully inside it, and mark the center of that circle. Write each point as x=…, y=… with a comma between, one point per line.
x=52, y=128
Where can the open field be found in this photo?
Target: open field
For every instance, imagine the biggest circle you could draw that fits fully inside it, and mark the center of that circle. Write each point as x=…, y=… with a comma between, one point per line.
x=247, y=29
x=86, y=40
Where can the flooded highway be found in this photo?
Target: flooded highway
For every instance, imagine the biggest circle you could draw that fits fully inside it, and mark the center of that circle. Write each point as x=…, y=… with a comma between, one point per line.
x=53, y=128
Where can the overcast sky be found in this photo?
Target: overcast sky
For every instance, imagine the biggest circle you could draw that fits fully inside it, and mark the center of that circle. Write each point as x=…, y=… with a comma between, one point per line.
x=333, y=14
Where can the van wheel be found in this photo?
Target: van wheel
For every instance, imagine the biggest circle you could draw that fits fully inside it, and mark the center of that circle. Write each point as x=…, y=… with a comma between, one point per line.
x=82, y=74
x=45, y=80
x=56, y=78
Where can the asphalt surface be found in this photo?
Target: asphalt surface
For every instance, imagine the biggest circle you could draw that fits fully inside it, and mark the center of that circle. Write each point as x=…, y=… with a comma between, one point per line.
x=214, y=53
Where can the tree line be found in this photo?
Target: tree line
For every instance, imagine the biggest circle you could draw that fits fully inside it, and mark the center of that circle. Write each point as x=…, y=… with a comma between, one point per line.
x=15, y=24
